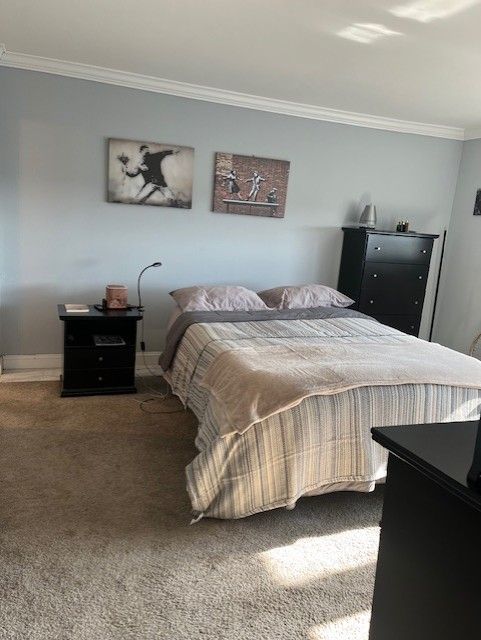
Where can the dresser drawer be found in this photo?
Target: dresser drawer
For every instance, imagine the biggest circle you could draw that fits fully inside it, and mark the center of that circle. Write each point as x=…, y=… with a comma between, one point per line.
x=391, y=302
x=409, y=250
x=98, y=357
x=97, y=378
x=407, y=324
x=380, y=276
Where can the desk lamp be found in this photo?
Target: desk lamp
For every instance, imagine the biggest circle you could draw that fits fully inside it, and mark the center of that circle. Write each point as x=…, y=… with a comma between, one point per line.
x=139, y=306
x=154, y=264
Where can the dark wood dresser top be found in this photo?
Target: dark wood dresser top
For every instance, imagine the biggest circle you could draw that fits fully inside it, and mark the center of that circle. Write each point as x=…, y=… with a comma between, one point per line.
x=408, y=234
x=443, y=452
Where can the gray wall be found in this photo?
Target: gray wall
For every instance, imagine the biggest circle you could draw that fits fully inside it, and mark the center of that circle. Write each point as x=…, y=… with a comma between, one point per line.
x=63, y=243
x=459, y=316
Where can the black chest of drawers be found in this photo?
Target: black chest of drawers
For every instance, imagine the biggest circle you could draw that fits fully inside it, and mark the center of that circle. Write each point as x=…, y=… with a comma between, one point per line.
x=92, y=370
x=386, y=274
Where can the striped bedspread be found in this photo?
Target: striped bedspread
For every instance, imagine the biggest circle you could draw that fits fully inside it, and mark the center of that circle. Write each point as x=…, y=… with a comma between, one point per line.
x=321, y=445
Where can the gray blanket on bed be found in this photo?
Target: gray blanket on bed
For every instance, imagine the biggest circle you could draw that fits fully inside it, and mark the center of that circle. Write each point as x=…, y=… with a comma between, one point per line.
x=189, y=318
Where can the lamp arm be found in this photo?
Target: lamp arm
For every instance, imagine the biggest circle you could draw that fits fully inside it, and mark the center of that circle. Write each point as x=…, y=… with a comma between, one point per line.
x=139, y=306
x=154, y=264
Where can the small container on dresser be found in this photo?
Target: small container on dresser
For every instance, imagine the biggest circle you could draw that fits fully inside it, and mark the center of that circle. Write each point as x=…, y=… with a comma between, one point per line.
x=99, y=351
x=386, y=273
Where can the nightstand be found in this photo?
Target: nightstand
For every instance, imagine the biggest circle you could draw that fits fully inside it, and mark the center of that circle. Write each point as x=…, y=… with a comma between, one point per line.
x=95, y=370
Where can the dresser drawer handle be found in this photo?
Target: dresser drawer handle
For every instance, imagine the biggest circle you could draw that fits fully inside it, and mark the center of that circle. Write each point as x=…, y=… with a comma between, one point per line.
x=374, y=275
x=420, y=277
x=371, y=301
x=423, y=251
x=416, y=302
x=377, y=248
x=100, y=358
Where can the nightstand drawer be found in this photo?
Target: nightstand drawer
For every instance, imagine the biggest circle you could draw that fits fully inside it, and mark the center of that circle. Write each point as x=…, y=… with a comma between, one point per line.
x=381, y=276
x=97, y=378
x=98, y=357
x=396, y=248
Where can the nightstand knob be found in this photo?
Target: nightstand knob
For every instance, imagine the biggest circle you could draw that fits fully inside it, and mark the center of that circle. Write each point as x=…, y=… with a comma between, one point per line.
x=371, y=301
x=412, y=326
x=100, y=378
x=101, y=359
x=423, y=251
x=416, y=302
x=374, y=275
x=377, y=248
x=420, y=277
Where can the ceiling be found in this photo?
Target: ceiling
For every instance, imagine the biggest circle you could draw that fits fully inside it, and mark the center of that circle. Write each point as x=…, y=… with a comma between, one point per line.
x=416, y=60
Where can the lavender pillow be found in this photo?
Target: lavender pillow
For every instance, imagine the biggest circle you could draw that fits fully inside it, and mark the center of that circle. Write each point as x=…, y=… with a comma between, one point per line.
x=304, y=297
x=217, y=298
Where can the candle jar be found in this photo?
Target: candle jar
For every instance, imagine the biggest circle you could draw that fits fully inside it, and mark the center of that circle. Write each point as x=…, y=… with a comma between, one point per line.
x=116, y=296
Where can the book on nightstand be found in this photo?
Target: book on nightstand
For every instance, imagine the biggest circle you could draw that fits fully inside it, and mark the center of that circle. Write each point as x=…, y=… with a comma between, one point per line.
x=76, y=308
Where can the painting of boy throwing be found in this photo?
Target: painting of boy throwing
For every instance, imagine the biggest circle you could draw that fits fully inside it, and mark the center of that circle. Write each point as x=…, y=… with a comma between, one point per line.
x=150, y=173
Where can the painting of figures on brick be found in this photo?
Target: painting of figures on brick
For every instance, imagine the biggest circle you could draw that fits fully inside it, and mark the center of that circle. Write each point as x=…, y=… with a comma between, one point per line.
x=150, y=173
x=250, y=186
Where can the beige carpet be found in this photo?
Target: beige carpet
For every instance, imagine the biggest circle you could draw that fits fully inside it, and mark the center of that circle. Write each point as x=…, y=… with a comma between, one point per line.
x=95, y=542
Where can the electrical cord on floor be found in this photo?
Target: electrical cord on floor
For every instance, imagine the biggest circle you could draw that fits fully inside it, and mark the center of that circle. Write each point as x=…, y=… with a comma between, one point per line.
x=142, y=349
x=142, y=404
x=155, y=394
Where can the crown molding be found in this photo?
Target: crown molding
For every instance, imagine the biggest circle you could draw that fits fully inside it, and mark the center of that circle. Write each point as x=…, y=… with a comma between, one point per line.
x=472, y=134
x=221, y=96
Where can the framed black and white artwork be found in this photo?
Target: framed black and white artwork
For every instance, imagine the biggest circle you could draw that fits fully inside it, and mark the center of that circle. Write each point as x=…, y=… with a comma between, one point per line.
x=150, y=173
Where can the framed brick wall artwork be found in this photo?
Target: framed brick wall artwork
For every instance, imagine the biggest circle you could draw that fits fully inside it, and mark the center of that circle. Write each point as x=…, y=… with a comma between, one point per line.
x=250, y=186
x=150, y=173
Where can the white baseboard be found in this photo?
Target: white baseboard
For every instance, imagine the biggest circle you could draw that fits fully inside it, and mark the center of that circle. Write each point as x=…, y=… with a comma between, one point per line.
x=151, y=358
x=34, y=361
x=54, y=361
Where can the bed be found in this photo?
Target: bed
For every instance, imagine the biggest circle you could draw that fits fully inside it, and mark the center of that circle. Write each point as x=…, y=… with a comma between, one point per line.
x=271, y=454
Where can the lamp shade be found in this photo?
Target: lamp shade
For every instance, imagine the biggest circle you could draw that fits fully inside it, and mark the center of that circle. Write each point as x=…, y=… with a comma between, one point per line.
x=368, y=216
